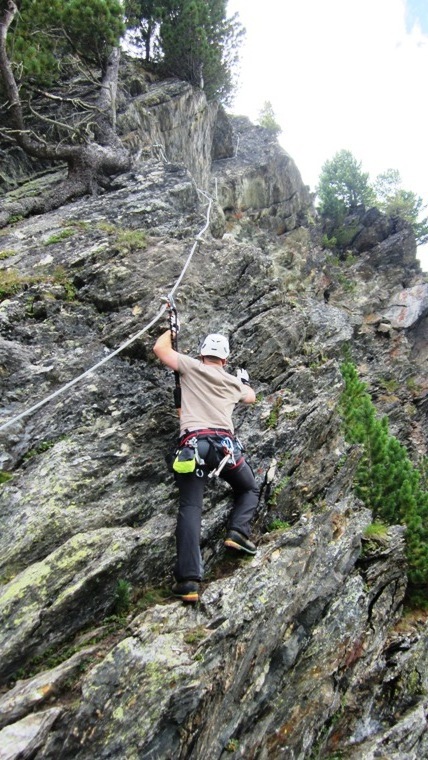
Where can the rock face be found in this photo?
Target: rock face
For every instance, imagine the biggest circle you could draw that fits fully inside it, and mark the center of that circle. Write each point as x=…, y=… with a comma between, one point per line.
x=168, y=118
x=299, y=652
x=408, y=306
x=271, y=193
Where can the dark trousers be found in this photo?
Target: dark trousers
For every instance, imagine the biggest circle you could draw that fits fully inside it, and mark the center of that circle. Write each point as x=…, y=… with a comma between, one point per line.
x=188, y=531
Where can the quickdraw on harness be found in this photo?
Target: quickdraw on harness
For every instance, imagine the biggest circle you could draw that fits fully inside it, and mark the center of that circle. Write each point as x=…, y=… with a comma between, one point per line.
x=228, y=458
x=174, y=326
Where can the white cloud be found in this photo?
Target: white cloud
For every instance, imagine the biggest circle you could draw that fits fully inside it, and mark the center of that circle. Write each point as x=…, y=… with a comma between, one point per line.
x=339, y=75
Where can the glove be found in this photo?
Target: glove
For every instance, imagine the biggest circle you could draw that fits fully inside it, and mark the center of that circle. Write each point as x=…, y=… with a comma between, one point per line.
x=243, y=376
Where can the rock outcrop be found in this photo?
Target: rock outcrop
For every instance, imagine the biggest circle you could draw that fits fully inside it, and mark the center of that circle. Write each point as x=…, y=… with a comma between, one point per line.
x=300, y=652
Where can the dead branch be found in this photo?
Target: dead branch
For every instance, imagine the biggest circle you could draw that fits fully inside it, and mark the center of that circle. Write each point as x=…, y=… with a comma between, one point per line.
x=75, y=102
x=90, y=161
x=53, y=122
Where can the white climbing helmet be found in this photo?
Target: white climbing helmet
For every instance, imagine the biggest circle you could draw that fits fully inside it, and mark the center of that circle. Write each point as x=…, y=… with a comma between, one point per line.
x=215, y=345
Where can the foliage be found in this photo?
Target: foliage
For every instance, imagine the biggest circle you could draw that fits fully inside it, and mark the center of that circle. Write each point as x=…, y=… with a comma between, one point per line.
x=329, y=242
x=129, y=240
x=39, y=449
x=343, y=236
x=267, y=118
x=272, y=420
x=194, y=40
x=195, y=635
x=57, y=237
x=61, y=277
x=394, y=201
x=277, y=525
x=151, y=596
x=142, y=20
x=48, y=43
x=12, y=282
x=46, y=31
x=391, y=385
x=343, y=186
x=273, y=500
x=347, y=284
x=122, y=597
x=232, y=745
x=376, y=530
x=7, y=254
x=386, y=480
x=125, y=239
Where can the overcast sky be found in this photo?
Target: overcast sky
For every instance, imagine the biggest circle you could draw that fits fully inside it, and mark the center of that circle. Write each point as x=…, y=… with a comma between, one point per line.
x=341, y=75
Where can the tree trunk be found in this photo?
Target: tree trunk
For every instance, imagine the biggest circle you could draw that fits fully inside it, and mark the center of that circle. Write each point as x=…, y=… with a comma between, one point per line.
x=88, y=163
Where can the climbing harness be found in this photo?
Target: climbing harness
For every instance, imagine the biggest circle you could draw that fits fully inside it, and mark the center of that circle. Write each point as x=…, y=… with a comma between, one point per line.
x=211, y=448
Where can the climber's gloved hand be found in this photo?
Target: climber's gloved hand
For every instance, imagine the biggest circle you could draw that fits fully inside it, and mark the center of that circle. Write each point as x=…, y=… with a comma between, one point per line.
x=243, y=376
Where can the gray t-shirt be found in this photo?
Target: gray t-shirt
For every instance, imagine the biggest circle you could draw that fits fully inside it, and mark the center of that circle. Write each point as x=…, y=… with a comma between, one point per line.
x=208, y=395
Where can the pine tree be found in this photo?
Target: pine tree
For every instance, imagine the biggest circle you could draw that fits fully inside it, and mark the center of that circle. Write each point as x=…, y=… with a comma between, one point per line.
x=267, y=118
x=46, y=42
x=199, y=44
x=386, y=480
x=395, y=201
x=142, y=19
x=47, y=31
x=343, y=186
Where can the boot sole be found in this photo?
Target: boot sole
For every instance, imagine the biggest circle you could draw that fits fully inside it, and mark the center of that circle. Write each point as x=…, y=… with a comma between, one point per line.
x=233, y=545
x=192, y=597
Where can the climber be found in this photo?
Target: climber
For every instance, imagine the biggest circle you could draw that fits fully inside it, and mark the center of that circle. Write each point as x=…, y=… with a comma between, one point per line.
x=207, y=447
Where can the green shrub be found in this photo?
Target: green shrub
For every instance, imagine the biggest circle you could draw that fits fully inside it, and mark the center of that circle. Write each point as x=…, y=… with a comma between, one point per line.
x=39, y=449
x=273, y=498
x=345, y=234
x=386, y=480
x=11, y=282
x=122, y=597
x=195, y=635
x=413, y=387
x=347, y=284
x=277, y=525
x=340, y=237
x=329, y=242
x=376, y=530
x=390, y=385
x=151, y=596
x=131, y=240
x=343, y=186
x=61, y=277
x=272, y=420
x=6, y=254
x=267, y=118
x=125, y=239
x=61, y=235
